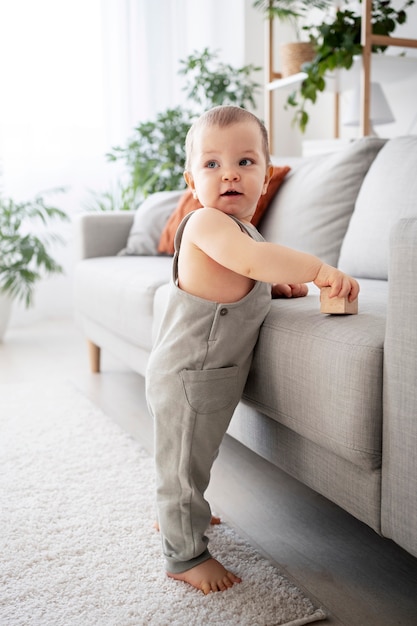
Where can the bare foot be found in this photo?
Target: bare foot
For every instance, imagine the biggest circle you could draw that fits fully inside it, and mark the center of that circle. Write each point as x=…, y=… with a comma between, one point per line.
x=213, y=522
x=208, y=576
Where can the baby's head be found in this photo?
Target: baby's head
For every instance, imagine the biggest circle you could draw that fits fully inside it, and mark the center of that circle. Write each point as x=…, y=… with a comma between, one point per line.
x=224, y=116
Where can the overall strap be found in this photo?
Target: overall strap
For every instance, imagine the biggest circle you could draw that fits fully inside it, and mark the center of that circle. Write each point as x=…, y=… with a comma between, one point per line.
x=246, y=228
x=177, y=244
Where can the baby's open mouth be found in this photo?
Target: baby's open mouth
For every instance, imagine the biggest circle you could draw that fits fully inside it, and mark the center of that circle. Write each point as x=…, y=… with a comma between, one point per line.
x=231, y=192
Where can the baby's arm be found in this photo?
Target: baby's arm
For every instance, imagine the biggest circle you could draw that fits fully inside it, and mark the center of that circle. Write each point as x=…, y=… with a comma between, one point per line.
x=215, y=234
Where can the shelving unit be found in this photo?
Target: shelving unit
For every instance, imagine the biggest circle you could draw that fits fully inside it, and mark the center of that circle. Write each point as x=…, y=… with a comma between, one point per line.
x=368, y=40
x=274, y=79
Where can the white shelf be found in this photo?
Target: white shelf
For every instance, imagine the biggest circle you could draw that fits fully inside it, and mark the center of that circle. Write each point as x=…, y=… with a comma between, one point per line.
x=386, y=68
x=288, y=81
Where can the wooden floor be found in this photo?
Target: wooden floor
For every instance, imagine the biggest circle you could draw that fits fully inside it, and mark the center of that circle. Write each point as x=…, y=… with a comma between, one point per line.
x=360, y=578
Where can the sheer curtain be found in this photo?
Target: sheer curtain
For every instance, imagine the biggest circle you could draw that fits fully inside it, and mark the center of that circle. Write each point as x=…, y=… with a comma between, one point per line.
x=52, y=116
x=75, y=77
x=144, y=42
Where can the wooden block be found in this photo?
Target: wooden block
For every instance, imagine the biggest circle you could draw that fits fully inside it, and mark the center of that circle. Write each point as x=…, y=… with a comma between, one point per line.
x=336, y=306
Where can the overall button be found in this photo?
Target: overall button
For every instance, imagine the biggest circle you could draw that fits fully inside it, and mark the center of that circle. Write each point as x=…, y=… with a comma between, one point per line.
x=223, y=311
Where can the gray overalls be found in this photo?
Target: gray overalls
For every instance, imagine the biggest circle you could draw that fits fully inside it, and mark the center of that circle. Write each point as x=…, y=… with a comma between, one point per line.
x=195, y=378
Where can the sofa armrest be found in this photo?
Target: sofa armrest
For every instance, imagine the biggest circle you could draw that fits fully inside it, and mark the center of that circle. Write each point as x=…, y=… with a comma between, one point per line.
x=101, y=234
x=399, y=459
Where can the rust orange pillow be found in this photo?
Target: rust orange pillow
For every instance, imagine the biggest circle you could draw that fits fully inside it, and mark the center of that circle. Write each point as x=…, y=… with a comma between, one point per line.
x=277, y=177
x=187, y=204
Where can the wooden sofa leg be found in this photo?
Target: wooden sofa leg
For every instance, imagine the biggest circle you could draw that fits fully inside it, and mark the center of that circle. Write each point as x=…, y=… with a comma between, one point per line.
x=94, y=355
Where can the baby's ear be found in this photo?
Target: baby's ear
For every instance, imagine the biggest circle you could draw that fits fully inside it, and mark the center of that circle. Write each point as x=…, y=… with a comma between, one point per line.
x=188, y=177
x=190, y=182
x=268, y=176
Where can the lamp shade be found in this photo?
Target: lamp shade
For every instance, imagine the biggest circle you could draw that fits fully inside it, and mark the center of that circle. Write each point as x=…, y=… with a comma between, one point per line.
x=380, y=111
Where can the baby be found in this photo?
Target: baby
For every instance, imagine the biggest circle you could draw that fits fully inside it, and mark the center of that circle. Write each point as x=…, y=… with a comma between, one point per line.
x=223, y=271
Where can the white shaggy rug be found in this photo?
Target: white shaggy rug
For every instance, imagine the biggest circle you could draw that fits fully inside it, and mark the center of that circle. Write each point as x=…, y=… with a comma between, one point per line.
x=77, y=543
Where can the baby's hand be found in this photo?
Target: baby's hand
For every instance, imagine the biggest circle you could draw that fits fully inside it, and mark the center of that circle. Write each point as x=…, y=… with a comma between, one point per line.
x=342, y=285
x=289, y=291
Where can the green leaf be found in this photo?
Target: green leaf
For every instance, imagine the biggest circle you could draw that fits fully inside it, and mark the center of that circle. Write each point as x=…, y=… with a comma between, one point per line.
x=26, y=257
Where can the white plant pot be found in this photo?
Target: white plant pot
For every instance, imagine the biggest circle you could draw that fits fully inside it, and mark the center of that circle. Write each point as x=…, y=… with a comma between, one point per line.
x=5, y=311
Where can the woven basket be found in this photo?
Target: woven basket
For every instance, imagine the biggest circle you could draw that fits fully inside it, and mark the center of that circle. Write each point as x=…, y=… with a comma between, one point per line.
x=293, y=55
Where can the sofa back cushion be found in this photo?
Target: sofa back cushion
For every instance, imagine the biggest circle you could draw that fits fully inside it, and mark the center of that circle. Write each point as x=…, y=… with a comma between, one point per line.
x=312, y=209
x=150, y=218
x=388, y=193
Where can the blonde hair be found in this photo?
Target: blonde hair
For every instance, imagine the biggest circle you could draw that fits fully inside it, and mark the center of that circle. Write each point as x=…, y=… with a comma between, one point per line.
x=225, y=116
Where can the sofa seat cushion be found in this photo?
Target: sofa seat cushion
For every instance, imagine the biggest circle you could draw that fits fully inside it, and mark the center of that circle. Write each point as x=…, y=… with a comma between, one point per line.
x=118, y=293
x=321, y=375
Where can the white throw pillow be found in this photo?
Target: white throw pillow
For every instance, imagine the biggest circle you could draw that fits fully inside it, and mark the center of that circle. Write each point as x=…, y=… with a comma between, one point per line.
x=150, y=219
x=388, y=193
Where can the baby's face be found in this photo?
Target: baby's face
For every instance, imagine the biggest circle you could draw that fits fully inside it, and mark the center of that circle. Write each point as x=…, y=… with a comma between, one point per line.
x=229, y=170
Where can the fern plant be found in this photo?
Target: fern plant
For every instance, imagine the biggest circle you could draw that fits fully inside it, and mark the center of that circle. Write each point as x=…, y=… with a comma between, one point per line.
x=25, y=256
x=210, y=82
x=154, y=156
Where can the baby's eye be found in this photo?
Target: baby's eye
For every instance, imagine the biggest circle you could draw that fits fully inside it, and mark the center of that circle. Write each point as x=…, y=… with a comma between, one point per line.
x=245, y=162
x=211, y=164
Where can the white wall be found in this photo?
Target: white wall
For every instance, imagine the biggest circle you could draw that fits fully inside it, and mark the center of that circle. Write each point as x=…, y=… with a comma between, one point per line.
x=52, y=128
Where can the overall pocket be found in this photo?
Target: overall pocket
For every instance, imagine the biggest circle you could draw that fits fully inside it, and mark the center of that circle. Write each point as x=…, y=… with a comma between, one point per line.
x=208, y=391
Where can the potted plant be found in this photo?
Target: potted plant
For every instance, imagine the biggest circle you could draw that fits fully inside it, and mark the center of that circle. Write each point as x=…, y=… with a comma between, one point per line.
x=336, y=43
x=25, y=255
x=154, y=157
x=155, y=153
x=293, y=12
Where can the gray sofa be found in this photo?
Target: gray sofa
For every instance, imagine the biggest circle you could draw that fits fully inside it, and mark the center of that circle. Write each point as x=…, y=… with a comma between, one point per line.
x=332, y=400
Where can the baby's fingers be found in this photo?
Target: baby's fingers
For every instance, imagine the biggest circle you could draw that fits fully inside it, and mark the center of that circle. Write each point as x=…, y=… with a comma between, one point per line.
x=345, y=287
x=354, y=290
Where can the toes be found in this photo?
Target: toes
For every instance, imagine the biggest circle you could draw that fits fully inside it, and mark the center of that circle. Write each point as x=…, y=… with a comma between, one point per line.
x=218, y=585
x=227, y=582
x=232, y=578
x=206, y=588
